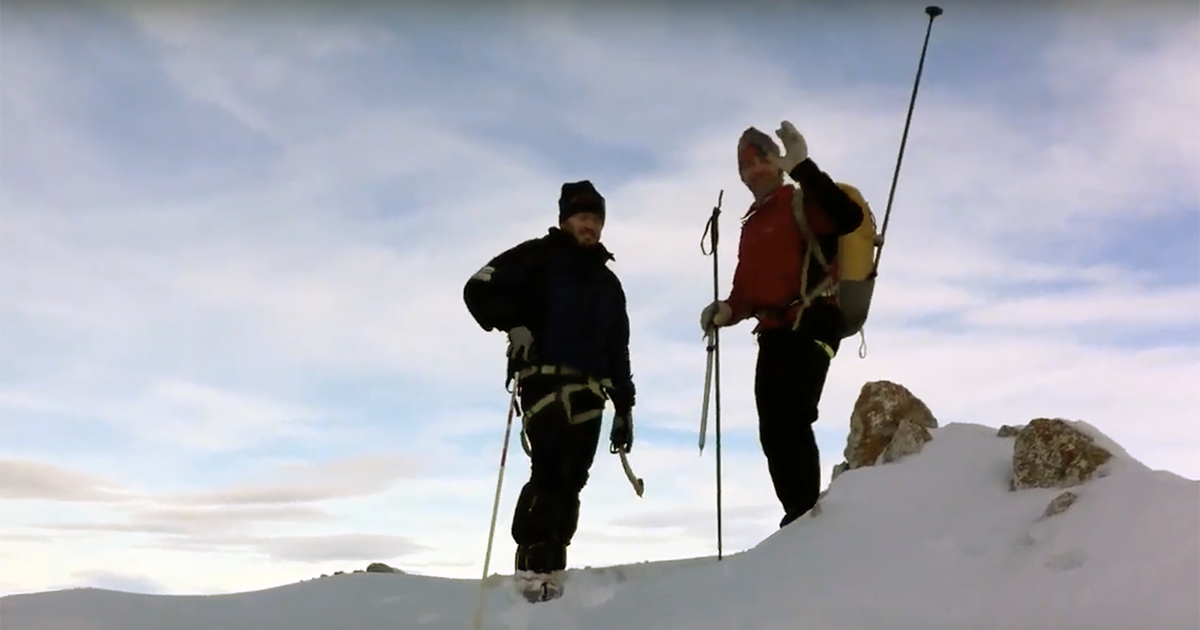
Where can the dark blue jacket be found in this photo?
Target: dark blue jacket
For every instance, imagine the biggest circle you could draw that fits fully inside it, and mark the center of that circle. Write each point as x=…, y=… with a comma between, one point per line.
x=568, y=298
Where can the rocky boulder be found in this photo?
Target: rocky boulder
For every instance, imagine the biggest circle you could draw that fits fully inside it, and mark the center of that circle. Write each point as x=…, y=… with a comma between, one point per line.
x=1053, y=453
x=379, y=567
x=888, y=423
x=1008, y=430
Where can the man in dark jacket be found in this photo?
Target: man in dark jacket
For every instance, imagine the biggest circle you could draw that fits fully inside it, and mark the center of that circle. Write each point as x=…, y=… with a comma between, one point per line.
x=568, y=344
x=800, y=326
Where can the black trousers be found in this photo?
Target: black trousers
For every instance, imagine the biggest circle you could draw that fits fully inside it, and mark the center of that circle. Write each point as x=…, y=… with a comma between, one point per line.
x=788, y=381
x=562, y=452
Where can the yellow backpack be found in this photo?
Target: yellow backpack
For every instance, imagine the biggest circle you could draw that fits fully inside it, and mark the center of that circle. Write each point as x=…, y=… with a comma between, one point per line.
x=855, y=265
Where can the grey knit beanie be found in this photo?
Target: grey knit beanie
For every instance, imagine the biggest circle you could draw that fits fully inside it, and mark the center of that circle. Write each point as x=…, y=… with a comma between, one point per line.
x=752, y=137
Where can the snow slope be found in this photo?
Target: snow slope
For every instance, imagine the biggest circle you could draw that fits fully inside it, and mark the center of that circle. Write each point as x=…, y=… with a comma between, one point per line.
x=935, y=541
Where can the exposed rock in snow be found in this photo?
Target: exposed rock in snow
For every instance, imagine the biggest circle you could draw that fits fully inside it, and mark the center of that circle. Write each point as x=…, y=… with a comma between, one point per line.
x=1052, y=453
x=907, y=440
x=1060, y=504
x=839, y=469
x=887, y=424
x=1009, y=430
x=379, y=567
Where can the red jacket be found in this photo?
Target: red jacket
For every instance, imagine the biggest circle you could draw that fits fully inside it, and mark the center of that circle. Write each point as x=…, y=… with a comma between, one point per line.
x=772, y=247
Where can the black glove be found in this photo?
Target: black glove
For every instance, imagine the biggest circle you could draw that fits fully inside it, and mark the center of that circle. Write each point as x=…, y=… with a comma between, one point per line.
x=622, y=433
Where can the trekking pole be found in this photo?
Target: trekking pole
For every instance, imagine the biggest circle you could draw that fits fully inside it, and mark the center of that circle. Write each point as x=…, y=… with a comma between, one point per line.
x=932, y=12
x=713, y=349
x=512, y=405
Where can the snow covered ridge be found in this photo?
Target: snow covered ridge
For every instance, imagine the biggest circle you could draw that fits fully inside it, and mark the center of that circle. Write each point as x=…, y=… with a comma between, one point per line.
x=1047, y=526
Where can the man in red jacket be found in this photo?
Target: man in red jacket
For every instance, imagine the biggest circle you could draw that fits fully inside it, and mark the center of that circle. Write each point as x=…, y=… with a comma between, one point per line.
x=800, y=326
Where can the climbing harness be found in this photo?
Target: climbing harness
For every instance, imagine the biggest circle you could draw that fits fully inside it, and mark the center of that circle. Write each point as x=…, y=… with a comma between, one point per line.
x=562, y=395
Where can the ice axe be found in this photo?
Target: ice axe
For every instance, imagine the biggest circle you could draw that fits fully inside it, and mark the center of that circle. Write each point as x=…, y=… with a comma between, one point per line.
x=639, y=485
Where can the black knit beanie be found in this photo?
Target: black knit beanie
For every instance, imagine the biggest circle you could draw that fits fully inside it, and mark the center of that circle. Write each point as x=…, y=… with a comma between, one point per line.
x=578, y=197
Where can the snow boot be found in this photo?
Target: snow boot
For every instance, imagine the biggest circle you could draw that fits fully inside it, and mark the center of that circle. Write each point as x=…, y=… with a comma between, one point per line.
x=537, y=567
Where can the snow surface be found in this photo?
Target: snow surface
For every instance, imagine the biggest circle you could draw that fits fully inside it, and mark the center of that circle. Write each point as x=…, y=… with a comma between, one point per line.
x=935, y=541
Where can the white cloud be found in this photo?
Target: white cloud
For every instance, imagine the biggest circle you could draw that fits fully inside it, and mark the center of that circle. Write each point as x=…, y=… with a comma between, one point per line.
x=187, y=414
x=1113, y=305
x=301, y=482
x=196, y=523
x=24, y=479
x=346, y=547
x=204, y=417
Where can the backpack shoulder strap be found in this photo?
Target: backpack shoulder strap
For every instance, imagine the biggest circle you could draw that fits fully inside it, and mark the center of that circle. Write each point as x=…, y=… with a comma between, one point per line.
x=812, y=251
x=813, y=248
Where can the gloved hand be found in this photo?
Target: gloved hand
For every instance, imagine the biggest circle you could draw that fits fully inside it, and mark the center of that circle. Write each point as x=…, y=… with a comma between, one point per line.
x=715, y=315
x=795, y=148
x=622, y=433
x=520, y=339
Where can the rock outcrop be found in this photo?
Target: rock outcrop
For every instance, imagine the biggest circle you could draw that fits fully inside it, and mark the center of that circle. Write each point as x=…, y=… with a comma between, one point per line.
x=1008, y=430
x=1060, y=504
x=1051, y=453
x=888, y=423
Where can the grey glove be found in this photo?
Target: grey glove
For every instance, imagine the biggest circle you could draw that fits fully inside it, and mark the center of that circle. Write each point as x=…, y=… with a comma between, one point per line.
x=794, y=146
x=520, y=340
x=715, y=315
x=622, y=433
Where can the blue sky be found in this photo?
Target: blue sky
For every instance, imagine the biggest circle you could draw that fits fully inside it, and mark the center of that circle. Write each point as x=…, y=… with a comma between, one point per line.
x=235, y=351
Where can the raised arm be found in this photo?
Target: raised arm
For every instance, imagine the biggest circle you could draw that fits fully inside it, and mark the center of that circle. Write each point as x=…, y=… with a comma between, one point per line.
x=845, y=214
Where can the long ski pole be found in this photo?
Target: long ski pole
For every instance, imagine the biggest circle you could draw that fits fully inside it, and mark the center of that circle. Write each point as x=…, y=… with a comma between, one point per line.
x=932, y=12
x=712, y=375
x=512, y=405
